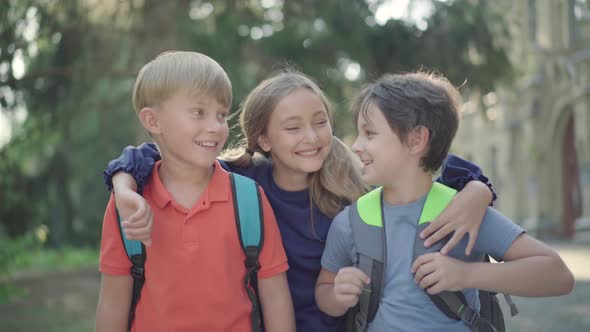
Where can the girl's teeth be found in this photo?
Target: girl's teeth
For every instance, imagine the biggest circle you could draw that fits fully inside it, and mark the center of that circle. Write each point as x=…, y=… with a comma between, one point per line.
x=309, y=153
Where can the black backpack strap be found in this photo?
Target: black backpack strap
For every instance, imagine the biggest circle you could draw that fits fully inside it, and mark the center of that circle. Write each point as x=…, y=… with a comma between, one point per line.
x=507, y=298
x=138, y=275
x=135, y=250
x=250, y=226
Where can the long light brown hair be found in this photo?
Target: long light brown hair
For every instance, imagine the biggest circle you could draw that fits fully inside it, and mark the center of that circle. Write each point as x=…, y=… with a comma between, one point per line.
x=338, y=182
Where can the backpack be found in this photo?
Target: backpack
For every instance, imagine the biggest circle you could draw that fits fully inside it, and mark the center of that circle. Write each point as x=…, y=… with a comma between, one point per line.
x=366, y=218
x=249, y=224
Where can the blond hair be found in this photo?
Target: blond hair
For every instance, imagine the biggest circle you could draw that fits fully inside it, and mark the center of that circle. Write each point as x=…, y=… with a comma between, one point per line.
x=338, y=182
x=176, y=71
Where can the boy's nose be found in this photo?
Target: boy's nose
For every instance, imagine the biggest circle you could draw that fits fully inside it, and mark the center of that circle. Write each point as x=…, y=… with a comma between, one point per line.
x=214, y=125
x=356, y=146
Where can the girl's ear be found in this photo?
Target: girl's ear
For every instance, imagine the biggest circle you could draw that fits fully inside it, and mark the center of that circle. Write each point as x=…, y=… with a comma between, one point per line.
x=418, y=139
x=264, y=143
x=149, y=120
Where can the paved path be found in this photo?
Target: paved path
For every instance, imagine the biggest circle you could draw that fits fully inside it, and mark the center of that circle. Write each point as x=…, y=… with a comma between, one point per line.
x=66, y=302
x=564, y=313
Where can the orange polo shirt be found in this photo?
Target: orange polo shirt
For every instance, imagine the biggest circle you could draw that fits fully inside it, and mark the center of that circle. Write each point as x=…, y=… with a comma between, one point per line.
x=195, y=266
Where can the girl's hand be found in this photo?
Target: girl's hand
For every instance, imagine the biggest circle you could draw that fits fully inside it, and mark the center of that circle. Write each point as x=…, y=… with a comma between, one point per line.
x=136, y=216
x=464, y=215
x=348, y=285
x=436, y=273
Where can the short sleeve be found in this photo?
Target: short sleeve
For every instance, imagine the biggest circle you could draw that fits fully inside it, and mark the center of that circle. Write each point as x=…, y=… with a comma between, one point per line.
x=496, y=235
x=113, y=259
x=339, y=243
x=273, y=259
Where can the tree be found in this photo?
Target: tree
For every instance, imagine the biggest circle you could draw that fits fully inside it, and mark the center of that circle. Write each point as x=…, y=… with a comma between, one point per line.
x=80, y=59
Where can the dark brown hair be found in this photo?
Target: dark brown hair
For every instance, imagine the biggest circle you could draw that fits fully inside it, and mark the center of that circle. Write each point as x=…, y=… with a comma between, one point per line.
x=412, y=100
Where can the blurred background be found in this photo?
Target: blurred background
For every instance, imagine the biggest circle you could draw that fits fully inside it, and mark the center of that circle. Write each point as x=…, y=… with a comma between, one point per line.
x=67, y=69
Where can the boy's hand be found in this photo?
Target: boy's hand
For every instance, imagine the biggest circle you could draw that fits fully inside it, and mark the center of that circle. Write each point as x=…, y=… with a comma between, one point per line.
x=437, y=273
x=136, y=216
x=463, y=215
x=348, y=285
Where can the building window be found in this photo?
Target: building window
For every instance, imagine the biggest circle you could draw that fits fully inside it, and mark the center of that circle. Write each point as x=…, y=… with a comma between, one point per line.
x=532, y=11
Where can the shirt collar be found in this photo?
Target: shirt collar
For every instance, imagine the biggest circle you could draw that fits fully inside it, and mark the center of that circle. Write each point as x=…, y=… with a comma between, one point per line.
x=218, y=188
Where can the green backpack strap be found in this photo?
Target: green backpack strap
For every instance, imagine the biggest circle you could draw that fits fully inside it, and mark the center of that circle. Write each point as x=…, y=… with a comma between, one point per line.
x=366, y=216
x=453, y=304
x=250, y=226
x=135, y=250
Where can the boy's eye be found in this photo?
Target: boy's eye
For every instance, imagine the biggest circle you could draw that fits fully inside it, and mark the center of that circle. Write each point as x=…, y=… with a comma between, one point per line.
x=321, y=122
x=291, y=128
x=222, y=116
x=198, y=112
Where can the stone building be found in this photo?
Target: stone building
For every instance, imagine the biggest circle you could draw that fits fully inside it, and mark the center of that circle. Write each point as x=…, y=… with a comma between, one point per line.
x=533, y=138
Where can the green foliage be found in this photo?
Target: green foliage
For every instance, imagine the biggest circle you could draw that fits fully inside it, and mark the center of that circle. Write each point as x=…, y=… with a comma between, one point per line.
x=80, y=59
x=16, y=252
x=27, y=254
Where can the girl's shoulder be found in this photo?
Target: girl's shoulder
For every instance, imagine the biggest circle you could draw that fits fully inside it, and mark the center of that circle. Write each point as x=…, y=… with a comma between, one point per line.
x=256, y=171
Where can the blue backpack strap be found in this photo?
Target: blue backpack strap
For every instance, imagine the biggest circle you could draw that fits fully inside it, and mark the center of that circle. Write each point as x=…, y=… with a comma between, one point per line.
x=250, y=226
x=136, y=252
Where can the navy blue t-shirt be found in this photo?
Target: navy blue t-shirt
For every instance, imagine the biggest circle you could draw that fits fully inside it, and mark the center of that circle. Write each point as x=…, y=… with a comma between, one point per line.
x=304, y=243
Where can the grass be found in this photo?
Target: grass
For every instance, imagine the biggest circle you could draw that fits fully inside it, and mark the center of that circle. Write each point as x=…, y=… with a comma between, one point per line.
x=43, y=260
x=39, y=261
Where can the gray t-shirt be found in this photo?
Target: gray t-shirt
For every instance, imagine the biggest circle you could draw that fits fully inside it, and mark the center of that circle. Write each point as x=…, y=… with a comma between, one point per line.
x=405, y=306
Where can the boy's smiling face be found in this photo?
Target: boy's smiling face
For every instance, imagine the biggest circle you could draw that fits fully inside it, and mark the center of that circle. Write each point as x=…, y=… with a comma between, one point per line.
x=191, y=129
x=380, y=149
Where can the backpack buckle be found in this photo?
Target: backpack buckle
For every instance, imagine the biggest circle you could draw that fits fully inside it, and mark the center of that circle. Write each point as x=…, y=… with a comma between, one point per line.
x=470, y=316
x=251, y=261
x=360, y=321
x=137, y=272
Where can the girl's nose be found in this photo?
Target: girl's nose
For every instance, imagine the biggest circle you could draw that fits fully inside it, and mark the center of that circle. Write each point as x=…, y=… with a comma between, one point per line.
x=311, y=135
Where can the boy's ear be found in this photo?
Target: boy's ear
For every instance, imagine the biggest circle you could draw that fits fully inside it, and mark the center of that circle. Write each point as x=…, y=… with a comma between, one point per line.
x=149, y=120
x=264, y=143
x=418, y=139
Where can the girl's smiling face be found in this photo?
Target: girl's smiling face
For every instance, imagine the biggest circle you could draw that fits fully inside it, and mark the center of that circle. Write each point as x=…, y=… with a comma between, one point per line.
x=298, y=134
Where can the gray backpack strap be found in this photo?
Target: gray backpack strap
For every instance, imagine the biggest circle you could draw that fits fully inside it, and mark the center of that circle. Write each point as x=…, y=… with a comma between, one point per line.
x=452, y=304
x=369, y=241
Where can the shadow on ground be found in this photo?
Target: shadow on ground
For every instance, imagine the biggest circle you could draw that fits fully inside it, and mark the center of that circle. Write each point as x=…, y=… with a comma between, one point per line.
x=66, y=301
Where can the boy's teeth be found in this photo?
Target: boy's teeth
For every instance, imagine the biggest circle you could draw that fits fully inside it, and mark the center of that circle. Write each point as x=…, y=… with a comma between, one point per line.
x=207, y=144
